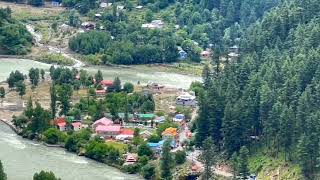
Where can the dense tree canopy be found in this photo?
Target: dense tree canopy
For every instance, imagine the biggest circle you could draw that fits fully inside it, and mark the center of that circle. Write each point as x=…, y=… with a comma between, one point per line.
x=269, y=96
x=14, y=37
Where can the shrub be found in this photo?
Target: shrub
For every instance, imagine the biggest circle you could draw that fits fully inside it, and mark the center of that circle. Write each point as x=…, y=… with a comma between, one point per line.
x=180, y=157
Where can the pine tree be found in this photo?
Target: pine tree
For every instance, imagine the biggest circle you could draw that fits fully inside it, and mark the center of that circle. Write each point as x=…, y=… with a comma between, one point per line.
x=208, y=157
x=243, y=161
x=166, y=161
x=21, y=88
x=98, y=76
x=29, y=109
x=53, y=100
x=206, y=76
x=202, y=122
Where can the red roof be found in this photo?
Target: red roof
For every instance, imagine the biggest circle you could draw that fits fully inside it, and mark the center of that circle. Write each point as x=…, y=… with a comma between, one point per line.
x=62, y=124
x=106, y=82
x=59, y=120
x=126, y=132
x=100, y=91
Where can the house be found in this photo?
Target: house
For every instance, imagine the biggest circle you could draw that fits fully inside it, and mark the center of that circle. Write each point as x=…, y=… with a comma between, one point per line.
x=88, y=25
x=205, y=54
x=106, y=83
x=186, y=99
x=179, y=118
x=120, y=7
x=160, y=119
x=104, y=4
x=76, y=126
x=154, y=86
x=234, y=49
x=61, y=124
x=108, y=131
x=100, y=92
x=131, y=158
x=155, y=24
x=170, y=133
x=125, y=134
x=145, y=134
x=98, y=15
x=102, y=122
x=55, y=3
x=139, y=7
x=65, y=28
x=146, y=116
x=182, y=54
x=156, y=147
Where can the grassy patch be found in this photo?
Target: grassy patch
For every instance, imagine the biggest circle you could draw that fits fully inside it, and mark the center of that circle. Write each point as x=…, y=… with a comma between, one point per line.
x=118, y=145
x=55, y=59
x=25, y=12
x=267, y=168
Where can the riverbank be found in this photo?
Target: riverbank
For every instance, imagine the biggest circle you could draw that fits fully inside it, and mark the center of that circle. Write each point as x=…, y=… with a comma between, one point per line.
x=21, y=158
x=55, y=146
x=11, y=126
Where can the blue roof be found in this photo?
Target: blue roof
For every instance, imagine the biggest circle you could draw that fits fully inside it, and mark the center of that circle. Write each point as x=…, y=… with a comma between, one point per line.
x=179, y=116
x=153, y=145
x=160, y=143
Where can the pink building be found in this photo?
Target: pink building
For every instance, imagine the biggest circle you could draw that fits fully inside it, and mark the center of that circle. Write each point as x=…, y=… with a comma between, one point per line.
x=102, y=122
x=76, y=126
x=110, y=131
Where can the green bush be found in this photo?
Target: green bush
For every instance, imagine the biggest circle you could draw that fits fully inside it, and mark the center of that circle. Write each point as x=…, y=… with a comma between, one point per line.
x=180, y=157
x=53, y=136
x=55, y=59
x=148, y=171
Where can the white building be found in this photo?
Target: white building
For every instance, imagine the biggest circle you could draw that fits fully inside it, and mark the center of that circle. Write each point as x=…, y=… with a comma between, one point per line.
x=186, y=99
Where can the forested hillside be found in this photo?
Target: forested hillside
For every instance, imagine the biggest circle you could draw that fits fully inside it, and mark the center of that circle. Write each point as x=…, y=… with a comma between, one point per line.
x=194, y=25
x=14, y=37
x=269, y=99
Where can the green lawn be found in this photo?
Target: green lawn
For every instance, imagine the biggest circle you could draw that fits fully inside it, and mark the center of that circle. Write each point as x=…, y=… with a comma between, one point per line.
x=118, y=145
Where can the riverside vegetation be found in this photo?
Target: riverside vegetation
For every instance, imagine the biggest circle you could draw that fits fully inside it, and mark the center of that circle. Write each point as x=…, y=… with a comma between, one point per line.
x=258, y=112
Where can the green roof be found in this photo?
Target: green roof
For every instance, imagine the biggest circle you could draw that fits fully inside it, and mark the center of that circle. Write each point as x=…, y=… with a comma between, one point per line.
x=146, y=116
x=70, y=118
x=121, y=115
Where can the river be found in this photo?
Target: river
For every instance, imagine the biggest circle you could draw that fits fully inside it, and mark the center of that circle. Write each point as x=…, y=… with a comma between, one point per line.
x=126, y=74
x=22, y=158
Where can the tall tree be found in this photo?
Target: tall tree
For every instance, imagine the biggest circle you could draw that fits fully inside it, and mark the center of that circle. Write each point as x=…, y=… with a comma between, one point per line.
x=53, y=100
x=34, y=75
x=243, y=161
x=208, y=157
x=29, y=109
x=21, y=88
x=98, y=76
x=166, y=161
x=64, y=93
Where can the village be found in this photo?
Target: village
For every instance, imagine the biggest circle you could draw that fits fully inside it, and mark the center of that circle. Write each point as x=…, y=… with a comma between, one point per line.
x=170, y=118
x=119, y=131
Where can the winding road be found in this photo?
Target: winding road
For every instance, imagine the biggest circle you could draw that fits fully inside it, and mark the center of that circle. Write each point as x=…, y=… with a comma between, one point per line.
x=52, y=49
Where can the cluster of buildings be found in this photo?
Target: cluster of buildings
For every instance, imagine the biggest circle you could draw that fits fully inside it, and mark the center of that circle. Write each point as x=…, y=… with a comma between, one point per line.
x=155, y=24
x=106, y=128
x=64, y=125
